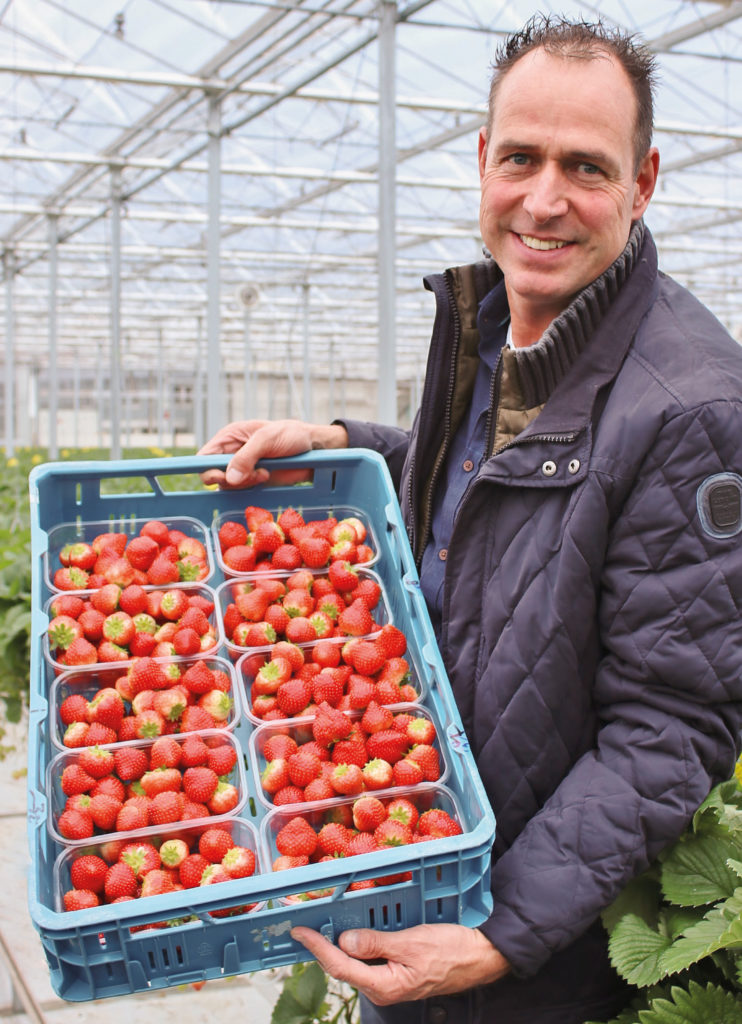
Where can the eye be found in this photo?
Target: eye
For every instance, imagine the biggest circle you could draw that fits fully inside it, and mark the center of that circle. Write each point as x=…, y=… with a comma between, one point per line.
x=518, y=158
x=589, y=169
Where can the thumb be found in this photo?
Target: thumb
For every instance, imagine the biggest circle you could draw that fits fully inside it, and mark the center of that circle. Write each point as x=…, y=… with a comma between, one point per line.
x=365, y=944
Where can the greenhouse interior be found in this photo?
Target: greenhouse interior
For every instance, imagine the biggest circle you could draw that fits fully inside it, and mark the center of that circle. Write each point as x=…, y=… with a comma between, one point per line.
x=224, y=209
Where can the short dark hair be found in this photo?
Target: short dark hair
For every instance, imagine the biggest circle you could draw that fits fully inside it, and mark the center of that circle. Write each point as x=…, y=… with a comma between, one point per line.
x=585, y=40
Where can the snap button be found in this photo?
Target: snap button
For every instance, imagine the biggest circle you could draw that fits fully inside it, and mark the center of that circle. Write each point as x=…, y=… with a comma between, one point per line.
x=443, y=554
x=468, y=466
x=438, y=1015
x=549, y=468
x=574, y=465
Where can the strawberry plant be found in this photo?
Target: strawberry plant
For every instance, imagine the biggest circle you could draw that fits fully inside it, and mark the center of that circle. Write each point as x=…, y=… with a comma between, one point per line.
x=676, y=931
x=310, y=997
x=15, y=589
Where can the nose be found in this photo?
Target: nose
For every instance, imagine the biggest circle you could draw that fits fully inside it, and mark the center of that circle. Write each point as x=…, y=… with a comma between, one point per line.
x=546, y=197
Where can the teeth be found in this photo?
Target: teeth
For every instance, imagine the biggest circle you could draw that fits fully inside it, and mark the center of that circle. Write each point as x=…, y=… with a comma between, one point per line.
x=540, y=243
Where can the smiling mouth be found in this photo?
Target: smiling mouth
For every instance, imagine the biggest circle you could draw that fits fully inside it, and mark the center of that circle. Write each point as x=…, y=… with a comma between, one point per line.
x=541, y=243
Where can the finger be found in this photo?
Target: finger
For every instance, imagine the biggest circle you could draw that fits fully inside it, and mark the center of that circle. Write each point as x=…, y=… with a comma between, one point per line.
x=332, y=960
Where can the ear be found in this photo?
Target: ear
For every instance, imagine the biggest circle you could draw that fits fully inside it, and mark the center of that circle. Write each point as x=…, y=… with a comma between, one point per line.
x=646, y=180
x=482, y=151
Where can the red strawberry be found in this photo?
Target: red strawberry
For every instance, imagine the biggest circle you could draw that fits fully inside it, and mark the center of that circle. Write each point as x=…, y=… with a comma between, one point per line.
x=240, y=557
x=157, y=530
x=402, y=809
x=330, y=725
x=192, y=869
x=286, y=557
x=296, y=838
x=108, y=651
x=147, y=674
x=186, y=642
x=293, y=696
x=194, y=752
x=120, y=881
x=76, y=734
x=230, y=534
x=104, y=810
x=333, y=839
x=107, y=707
x=67, y=604
x=91, y=622
x=319, y=789
x=392, y=833
x=407, y=772
x=170, y=703
x=303, y=766
x=71, y=578
x=199, y=784
x=160, y=780
x=80, y=652
x=165, y=807
x=375, y=718
x=106, y=599
x=239, y=862
x=355, y=620
x=278, y=618
x=62, y=630
x=367, y=657
x=420, y=730
x=173, y=852
x=142, y=551
x=387, y=744
x=275, y=775
x=80, y=899
x=314, y=551
x=351, y=751
x=438, y=823
x=347, y=779
x=218, y=704
x=195, y=718
x=214, y=844
x=222, y=759
x=75, y=824
x=361, y=691
x=300, y=630
x=368, y=813
x=96, y=761
x=267, y=537
x=131, y=763
x=75, y=779
x=369, y=590
x=74, y=708
x=109, y=786
x=162, y=571
x=253, y=634
x=141, y=857
x=428, y=759
x=343, y=576
x=392, y=641
x=255, y=515
x=88, y=872
x=157, y=882
x=149, y=724
x=289, y=795
x=165, y=753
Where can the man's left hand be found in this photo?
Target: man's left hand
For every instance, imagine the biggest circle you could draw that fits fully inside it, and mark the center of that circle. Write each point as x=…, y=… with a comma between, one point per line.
x=427, y=960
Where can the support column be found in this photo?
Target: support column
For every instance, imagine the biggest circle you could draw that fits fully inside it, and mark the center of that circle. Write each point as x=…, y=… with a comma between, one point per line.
x=9, y=266
x=307, y=378
x=115, y=416
x=215, y=402
x=53, y=374
x=387, y=350
x=160, y=393
x=198, y=388
x=248, y=409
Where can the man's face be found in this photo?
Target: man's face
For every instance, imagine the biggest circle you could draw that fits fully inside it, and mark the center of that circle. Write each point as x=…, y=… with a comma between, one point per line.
x=558, y=187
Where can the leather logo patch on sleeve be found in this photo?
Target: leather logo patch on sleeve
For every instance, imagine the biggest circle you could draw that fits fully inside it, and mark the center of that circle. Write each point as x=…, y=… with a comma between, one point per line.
x=719, y=502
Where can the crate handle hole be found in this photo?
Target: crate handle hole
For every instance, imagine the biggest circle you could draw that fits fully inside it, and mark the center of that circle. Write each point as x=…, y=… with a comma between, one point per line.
x=371, y=917
x=385, y=914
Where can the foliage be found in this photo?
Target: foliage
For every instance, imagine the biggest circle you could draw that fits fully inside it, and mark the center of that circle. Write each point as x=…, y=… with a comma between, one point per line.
x=307, y=998
x=676, y=931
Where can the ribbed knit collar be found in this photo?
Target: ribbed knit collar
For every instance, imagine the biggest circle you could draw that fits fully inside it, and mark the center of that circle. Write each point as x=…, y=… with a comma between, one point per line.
x=543, y=364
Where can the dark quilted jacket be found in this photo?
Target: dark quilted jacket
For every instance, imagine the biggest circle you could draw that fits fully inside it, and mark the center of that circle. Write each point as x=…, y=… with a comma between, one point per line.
x=592, y=630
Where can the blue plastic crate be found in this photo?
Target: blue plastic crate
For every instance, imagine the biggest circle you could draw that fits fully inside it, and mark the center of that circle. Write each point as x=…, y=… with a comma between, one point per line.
x=103, y=951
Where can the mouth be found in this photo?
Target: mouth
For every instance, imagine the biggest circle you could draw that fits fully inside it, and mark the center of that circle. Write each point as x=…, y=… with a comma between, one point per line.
x=542, y=244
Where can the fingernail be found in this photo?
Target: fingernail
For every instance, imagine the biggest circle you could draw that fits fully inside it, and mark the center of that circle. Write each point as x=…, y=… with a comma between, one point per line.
x=350, y=942
x=233, y=476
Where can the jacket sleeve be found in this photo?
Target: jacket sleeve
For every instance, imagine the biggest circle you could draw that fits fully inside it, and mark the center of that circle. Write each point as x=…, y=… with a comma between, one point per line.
x=390, y=442
x=667, y=692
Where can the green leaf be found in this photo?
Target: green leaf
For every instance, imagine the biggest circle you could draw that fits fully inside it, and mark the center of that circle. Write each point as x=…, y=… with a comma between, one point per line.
x=677, y=919
x=720, y=927
x=696, y=1005
x=695, y=872
x=635, y=950
x=302, y=998
x=641, y=897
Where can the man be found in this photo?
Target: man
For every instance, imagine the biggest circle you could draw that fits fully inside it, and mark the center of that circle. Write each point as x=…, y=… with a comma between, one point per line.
x=572, y=487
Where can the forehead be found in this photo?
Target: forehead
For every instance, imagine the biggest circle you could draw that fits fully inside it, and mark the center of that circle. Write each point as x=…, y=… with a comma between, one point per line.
x=573, y=98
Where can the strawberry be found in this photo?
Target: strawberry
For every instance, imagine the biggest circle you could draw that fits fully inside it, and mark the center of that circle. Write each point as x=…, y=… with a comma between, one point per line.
x=104, y=810
x=106, y=600
x=290, y=519
x=402, y=809
x=165, y=807
x=368, y=813
x=420, y=730
x=330, y=725
x=327, y=688
x=165, y=752
x=163, y=571
x=267, y=537
x=119, y=628
x=225, y=798
x=286, y=557
x=142, y=551
x=239, y=862
x=369, y=590
x=333, y=839
x=283, y=863
x=80, y=899
x=300, y=630
x=96, y=761
x=71, y=578
x=74, y=708
x=367, y=657
x=149, y=724
x=289, y=795
x=75, y=779
x=169, y=703
x=108, y=651
x=319, y=789
x=200, y=784
x=296, y=838
x=173, y=852
x=160, y=780
x=141, y=857
x=120, y=881
x=194, y=752
x=331, y=605
x=255, y=515
x=275, y=775
x=427, y=757
x=76, y=735
x=350, y=751
x=147, y=674
x=157, y=882
x=392, y=641
x=277, y=617
x=343, y=576
x=214, y=844
x=375, y=718
x=131, y=763
x=218, y=704
x=75, y=824
x=88, y=872
x=240, y=557
x=303, y=766
x=387, y=744
x=213, y=875
x=231, y=534
x=134, y=814
x=361, y=842
x=326, y=653
x=407, y=772
x=62, y=630
x=438, y=823
x=186, y=642
x=91, y=622
x=195, y=718
x=314, y=551
x=192, y=869
x=378, y=774
x=79, y=652
x=255, y=634
x=293, y=696
x=361, y=691
x=157, y=530
x=222, y=759
x=279, y=745
x=67, y=604
x=355, y=620
x=347, y=779
x=392, y=833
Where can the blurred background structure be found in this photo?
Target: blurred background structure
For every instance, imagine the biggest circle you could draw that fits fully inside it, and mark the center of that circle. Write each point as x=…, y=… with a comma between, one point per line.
x=212, y=209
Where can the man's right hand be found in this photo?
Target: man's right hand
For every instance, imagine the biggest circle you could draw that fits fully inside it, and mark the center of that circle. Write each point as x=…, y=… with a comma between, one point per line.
x=248, y=441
